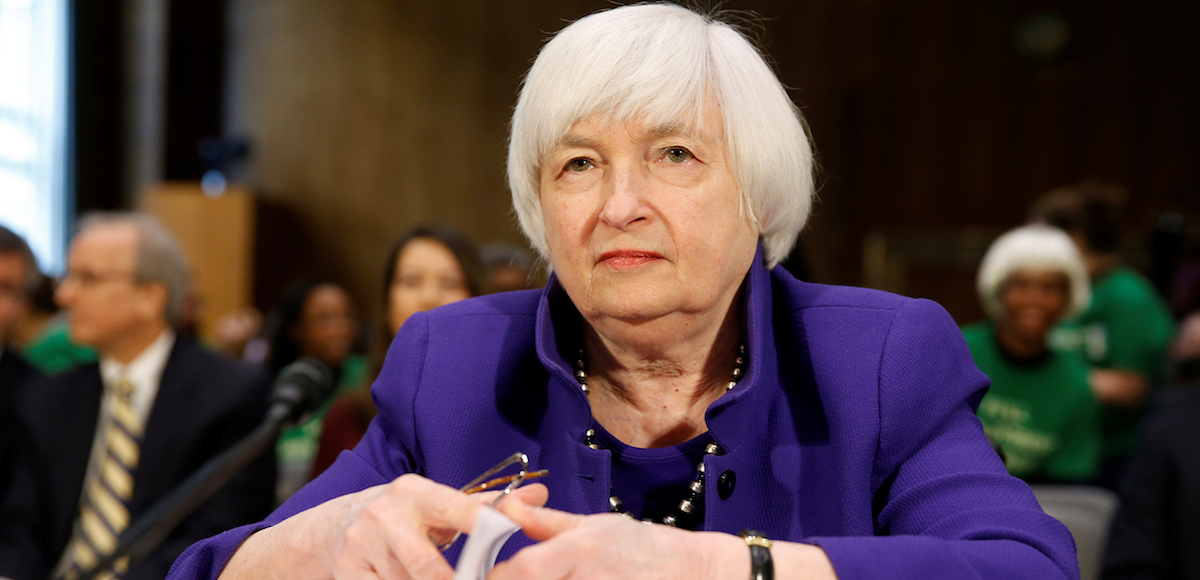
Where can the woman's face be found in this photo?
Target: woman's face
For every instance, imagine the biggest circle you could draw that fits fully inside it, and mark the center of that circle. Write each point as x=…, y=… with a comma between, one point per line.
x=427, y=276
x=327, y=325
x=644, y=222
x=1034, y=301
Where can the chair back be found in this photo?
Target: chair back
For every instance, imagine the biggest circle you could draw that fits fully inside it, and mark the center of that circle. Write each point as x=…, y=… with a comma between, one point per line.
x=1087, y=512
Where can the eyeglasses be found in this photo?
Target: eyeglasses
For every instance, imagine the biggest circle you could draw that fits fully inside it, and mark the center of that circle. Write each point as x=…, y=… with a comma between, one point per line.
x=508, y=482
x=89, y=278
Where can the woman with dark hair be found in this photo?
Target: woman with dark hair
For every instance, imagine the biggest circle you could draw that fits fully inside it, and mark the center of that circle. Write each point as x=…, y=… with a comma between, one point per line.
x=316, y=318
x=427, y=267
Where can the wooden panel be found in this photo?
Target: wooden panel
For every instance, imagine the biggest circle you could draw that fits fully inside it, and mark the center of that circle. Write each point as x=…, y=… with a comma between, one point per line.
x=218, y=234
x=367, y=117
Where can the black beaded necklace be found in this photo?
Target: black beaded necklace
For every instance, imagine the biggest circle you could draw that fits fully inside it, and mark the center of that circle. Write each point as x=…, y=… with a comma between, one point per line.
x=690, y=511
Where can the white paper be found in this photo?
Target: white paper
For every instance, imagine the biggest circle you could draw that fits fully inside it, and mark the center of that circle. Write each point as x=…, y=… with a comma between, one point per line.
x=487, y=536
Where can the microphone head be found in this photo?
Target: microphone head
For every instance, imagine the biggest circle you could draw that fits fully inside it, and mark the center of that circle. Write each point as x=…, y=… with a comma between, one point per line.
x=301, y=388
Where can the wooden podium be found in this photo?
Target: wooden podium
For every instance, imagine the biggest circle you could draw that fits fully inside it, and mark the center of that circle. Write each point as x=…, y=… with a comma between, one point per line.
x=218, y=235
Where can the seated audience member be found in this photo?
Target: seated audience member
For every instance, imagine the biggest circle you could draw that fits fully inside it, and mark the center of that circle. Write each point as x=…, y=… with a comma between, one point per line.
x=18, y=280
x=669, y=369
x=38, y=311
x=316, y=319
x=237, y=333
x=1125, y=332
x=426, y=268
x=44, y=336
x=100, y=444
x=1039, y=409
x=1154, y=535
x=509, y=266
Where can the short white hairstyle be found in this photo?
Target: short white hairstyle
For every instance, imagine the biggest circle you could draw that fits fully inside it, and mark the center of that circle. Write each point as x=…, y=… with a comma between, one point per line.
x=660, y=64
x=1032, y=247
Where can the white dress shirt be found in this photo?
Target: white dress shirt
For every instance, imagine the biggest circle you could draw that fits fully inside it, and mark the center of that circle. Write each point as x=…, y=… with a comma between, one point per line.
x=144, y=372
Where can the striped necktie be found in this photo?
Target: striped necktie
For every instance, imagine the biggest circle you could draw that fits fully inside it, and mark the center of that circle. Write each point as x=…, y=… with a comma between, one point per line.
x=104, y=511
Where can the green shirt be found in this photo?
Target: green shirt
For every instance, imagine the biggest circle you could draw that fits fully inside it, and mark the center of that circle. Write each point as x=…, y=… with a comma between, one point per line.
x=1042, y=414
x=53, y=351
x=1127, y=327
x=297, y=447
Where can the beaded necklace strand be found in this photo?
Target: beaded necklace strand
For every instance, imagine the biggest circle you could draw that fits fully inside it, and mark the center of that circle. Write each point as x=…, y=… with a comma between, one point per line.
x=690, y=511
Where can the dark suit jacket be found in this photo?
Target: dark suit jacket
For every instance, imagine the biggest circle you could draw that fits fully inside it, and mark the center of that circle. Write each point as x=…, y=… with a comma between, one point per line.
x=1156, y=531
x=204, y=404
x=14, y=373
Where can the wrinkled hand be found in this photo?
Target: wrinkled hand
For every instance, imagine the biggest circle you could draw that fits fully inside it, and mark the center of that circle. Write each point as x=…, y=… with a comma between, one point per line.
x=393, y=531
x=387, y=532
x=601, y=546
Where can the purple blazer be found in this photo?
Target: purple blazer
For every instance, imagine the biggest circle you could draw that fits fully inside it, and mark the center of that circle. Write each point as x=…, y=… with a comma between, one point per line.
x=854, y=429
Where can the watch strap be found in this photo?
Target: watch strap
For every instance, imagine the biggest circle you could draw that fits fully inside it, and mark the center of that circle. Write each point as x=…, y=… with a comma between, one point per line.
x=761, y=565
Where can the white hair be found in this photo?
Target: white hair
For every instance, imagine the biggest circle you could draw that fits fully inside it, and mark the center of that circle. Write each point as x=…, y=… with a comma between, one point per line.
x=1032, y=247
x=660, y=64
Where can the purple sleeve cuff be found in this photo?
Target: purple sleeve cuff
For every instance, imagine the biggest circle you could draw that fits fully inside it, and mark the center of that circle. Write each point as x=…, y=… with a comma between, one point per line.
x=922, y=557
x=206, y=559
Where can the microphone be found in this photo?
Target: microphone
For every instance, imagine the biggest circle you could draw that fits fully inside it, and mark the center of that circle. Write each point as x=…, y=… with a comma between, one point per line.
x=300, y=389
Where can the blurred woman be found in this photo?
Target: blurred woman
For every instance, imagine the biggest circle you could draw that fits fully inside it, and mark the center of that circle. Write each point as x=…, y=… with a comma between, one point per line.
x=316, y=318
x=1039, y=409
x=426, y=268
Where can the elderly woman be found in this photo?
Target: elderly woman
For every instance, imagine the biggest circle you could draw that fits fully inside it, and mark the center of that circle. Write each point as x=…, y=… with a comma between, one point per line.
x=1040, y=410
x=668, y=370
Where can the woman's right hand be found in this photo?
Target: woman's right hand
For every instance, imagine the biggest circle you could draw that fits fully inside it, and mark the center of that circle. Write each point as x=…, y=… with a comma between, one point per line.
x=390, y=531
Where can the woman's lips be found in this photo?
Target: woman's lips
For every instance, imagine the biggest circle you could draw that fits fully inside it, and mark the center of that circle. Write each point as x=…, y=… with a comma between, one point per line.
x=628, y=259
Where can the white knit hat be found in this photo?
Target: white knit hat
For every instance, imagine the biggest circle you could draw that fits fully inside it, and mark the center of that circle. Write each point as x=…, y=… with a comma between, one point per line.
x=1032, y=247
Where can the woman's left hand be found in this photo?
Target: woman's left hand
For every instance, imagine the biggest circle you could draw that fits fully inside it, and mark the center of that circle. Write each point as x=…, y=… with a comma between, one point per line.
x=614, y=546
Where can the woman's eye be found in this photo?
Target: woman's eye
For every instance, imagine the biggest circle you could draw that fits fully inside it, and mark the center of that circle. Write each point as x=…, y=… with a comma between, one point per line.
x=678, y=154
x=579, y=164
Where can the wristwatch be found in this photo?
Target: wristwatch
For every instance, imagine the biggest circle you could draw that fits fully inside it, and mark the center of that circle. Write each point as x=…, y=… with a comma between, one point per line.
x=761, y=566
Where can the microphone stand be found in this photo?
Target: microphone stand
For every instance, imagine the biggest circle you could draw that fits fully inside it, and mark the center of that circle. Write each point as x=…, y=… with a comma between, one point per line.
x=152, y=528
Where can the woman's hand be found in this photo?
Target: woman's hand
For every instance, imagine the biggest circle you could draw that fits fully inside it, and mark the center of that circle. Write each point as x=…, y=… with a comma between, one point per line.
x=601, y=546
x=385, y=532
x=613, y=546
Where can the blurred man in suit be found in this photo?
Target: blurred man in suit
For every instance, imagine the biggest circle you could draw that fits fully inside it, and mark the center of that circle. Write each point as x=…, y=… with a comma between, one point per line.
x=18, y=277
x=100, y=444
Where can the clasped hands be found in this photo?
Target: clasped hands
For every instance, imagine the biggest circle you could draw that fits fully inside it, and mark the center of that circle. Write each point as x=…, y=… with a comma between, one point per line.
x=392, y=532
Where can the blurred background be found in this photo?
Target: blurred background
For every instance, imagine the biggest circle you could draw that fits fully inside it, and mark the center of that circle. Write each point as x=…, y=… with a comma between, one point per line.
x=330, y=166
x=327, y=127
